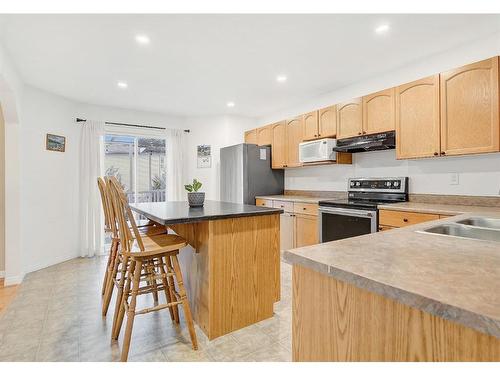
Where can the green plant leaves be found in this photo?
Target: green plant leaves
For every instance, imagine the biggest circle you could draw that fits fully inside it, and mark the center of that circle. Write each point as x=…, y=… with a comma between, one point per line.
x=195, y=186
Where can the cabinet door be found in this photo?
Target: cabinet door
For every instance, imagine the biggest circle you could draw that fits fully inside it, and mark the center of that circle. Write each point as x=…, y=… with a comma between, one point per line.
x=327, y=122
x=417, y=119
x=287, y=231
x=294, y=135
x=349, y=118
x=251, y=136
x=264, y=136
x=278, y=145
x=311, y=125
x=469, y=109
x=306, y=230
x=379, y=112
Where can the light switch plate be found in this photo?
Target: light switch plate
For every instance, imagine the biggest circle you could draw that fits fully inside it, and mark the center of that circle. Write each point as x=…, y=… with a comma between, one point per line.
x=454, y=179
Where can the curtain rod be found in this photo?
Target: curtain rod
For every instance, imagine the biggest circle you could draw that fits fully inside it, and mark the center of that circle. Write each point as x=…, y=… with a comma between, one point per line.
x=131, y=125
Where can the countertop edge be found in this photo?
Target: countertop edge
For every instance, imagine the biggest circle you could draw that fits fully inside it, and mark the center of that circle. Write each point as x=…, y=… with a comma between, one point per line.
x=185, y=220
x=478, y=322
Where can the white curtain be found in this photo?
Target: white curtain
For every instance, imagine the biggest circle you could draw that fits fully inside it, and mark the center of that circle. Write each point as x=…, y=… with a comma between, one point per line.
x=91, y=163
x=176, y=168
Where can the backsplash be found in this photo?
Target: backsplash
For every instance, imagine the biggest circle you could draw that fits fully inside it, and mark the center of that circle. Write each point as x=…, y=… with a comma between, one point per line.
x=478, y=175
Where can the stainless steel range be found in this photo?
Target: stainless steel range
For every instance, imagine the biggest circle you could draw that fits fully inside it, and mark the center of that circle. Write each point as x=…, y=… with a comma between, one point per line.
x=358, y=214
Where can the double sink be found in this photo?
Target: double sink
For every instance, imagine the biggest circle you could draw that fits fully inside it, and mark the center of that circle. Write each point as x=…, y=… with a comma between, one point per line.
x=476, y=228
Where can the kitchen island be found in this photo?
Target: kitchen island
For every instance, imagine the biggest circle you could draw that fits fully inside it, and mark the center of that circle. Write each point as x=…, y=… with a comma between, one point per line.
x=232, y=267
x=398, y=295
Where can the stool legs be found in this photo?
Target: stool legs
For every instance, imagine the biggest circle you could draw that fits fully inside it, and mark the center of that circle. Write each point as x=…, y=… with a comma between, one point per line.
x=171, y=288
x=118, y=316
x=135, y=269
x=113, y=271
x=185, y=302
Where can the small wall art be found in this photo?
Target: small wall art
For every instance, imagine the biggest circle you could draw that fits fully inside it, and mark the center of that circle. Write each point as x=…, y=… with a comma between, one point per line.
x=55, y=143
x=204, y=153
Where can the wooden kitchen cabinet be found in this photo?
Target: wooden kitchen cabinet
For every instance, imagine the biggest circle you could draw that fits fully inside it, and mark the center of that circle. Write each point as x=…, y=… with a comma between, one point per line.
x=327, y=122
x=470, y=109
x=251, y=136
x=349, y=118
x=399, y=219
x=310, y=125
x=379, y=112
x=278, y=145
x=294, y=135
x=287, y=231
x=306, y=230
x=418, y=119
x=263, y=202
x=264, y=136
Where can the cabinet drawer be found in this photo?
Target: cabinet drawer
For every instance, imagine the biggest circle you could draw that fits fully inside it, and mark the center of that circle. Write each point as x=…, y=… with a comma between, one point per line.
x=286, y=206
x=305, y=208
x=402, y=219
x=264, y=202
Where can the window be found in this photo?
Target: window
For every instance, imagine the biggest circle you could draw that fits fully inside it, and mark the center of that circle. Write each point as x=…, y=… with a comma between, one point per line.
x=139, y=165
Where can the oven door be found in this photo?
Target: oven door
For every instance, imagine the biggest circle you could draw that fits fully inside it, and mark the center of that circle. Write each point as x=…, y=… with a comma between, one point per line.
x=337, y=223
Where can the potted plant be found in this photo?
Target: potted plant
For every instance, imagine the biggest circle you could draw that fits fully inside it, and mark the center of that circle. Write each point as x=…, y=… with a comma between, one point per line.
x=195, y=198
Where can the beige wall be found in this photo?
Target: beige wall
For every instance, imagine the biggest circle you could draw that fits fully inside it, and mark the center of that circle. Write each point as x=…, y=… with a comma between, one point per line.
x=2, y=193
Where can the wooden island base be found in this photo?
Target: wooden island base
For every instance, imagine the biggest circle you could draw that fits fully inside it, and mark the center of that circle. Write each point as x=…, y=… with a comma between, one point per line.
x=232, y=275
x=336, y=321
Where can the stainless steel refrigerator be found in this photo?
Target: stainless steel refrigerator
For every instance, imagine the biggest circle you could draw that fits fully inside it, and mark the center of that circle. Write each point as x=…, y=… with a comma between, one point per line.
x=245, y=172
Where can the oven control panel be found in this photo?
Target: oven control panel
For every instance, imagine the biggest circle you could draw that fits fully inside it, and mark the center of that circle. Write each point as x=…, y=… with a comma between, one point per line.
x=398, y=184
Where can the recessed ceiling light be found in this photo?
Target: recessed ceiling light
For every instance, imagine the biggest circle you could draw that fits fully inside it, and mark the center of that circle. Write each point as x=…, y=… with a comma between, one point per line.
x=142, y=39
x=382, y=29
x=122, y=84
x=281, y=78
x=230, y=104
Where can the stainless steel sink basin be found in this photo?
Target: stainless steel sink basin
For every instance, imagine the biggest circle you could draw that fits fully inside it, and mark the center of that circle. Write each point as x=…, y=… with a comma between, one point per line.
x=464, y=231
x=482, y=222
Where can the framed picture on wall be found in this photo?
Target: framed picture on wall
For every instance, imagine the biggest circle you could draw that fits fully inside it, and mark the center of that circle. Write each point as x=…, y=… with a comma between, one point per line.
x=204, y=153
x=55, y=143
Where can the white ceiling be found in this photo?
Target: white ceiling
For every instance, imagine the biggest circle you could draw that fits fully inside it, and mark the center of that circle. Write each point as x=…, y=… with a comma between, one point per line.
x=196, y=63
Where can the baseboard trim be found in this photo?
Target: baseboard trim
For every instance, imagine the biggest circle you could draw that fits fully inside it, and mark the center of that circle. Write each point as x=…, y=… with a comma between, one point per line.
x=2, y=274
x=13, y=280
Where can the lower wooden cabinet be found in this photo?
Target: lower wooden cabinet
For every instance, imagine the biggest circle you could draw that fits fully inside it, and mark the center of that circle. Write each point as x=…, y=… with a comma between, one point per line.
x=390, y=219
x=287, y=231
x=298, y=224
x=306, y=230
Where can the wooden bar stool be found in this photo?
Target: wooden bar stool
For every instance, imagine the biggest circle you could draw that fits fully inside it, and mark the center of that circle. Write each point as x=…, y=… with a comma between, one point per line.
x=111, y=228
x=148, y=267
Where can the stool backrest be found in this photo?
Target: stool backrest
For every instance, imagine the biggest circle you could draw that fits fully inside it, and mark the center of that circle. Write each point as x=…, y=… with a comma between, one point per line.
x=105, y=204
x=123, y=214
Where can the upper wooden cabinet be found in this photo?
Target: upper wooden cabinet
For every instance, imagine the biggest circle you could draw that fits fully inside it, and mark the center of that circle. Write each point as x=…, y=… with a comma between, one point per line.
x=278, y=145
x=264, y=136
x=327, y=122
x=349, y=118
x=311, y=125
x=470, y=109
x=294, y=135
x=417, y=119
x=379, y=112
x=251, y=136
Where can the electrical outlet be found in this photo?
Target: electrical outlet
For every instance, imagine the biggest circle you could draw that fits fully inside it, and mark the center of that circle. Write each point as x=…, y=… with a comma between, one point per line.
x=454, y=180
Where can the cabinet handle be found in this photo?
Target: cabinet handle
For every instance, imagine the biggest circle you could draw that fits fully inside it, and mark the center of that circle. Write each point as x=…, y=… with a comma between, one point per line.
x=364, y=132
x=304, y=208
x=436, y=154
x=359, y=133
x=405, y=220
x=443, y=153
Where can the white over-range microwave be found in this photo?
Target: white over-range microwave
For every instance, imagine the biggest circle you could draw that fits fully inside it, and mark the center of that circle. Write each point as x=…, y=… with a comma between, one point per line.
x=318, y=150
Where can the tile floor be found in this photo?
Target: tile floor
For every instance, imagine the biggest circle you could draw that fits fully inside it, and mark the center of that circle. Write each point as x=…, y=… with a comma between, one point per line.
x=56, y=316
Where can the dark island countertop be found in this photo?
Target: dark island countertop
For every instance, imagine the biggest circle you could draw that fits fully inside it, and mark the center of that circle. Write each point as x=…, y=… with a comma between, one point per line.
x=179, y=212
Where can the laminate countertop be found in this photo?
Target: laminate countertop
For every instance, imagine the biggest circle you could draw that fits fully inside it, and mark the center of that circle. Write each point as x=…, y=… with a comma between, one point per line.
x=179, y=212
x=292, y=198
x=455, y=278
x=439, y=209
